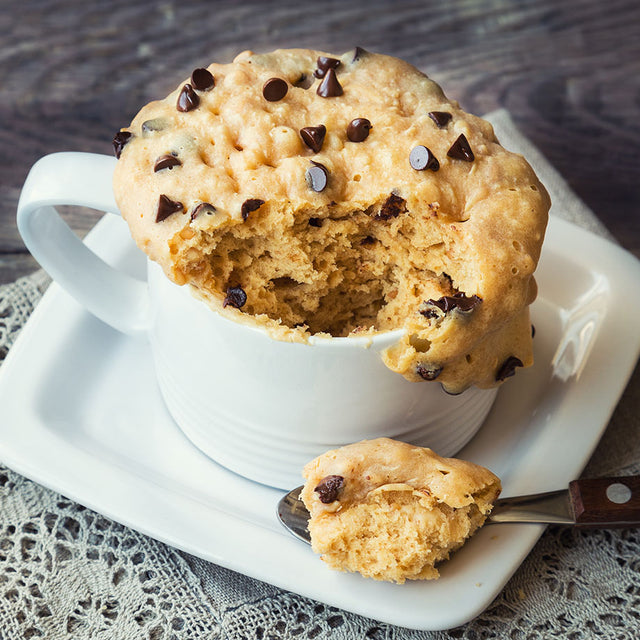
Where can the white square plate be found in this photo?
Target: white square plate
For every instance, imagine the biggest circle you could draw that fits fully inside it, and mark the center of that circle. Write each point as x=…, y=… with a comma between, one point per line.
x=81, y=414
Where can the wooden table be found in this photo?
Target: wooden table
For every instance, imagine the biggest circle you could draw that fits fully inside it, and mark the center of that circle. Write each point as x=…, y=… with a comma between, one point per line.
x=73, y=72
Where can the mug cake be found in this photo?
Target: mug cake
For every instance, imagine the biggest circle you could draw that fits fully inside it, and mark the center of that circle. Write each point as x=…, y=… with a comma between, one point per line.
x=313, y=194
x=392, y=511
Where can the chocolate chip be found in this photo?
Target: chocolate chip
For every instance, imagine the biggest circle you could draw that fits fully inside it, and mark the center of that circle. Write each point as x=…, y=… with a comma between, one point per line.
x=236, y=297
x=392, y=207
x=203, y=207
x=275, y=89
x=166, y=207
x=315, y=222
x=508, y=368
x=202, y=79
x=155, y=124
x=441, y=118
x=460, y=150
x=313, y=137
x=324, y=64
x=464, y=303
x=188, y=99
x=421, y=158
x=368, y=240
x=166, y=162
x=358, y=53
x=328, y=488
x=252, y=204
x=458, y=301
x=317, y=176
x=120, y=140
x=330, y=87
x=428, y=372
x=358, y=129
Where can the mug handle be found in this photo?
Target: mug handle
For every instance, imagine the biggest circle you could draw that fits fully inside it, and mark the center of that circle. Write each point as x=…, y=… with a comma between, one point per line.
x=81, y=179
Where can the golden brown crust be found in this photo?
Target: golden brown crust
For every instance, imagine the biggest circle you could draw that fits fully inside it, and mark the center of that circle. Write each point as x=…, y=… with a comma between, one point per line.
x=366, y=252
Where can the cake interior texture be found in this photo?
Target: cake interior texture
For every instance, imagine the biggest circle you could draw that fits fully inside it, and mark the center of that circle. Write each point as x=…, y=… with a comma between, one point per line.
x=333, y=270
x=398, y=533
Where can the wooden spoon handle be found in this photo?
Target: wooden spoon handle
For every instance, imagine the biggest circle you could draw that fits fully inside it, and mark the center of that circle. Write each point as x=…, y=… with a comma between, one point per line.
x=606, y=502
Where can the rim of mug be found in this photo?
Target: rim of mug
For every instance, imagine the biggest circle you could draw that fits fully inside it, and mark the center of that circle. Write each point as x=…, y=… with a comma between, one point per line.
x=379, y=339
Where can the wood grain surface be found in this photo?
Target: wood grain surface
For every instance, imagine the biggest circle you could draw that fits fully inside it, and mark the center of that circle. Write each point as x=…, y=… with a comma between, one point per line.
x=72, y=72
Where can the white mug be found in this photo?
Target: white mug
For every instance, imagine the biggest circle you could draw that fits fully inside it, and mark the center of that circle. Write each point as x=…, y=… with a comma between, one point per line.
x=261, y=407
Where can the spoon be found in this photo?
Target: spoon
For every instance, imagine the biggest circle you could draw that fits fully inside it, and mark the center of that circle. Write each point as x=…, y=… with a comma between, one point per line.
x=602, y=503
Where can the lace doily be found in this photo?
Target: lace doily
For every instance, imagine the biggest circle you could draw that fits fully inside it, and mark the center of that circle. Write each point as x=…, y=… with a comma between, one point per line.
x=68, y=572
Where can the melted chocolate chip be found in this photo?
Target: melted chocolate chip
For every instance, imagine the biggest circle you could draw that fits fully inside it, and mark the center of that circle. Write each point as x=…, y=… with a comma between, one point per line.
x=275, y=89
x=313, y=137
x=421, y=158
x=188, y=99
x=202, y=208
x=460, y=150
x=315, y=222
x=202, y=79
x=120, y=140
x=166, y=207
x=324, y=64
x=252, y=204
x=441, y=118
x=428, y=372
x=508, y=368
x=328, y=488
x=368, y=240
x=429, y=313
x=458, y=301
x=166, y=162
x=236, y=297
x=358, y=53
x=393, y=206
x=358, y=130
x=330, y=87
x=317, y=176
